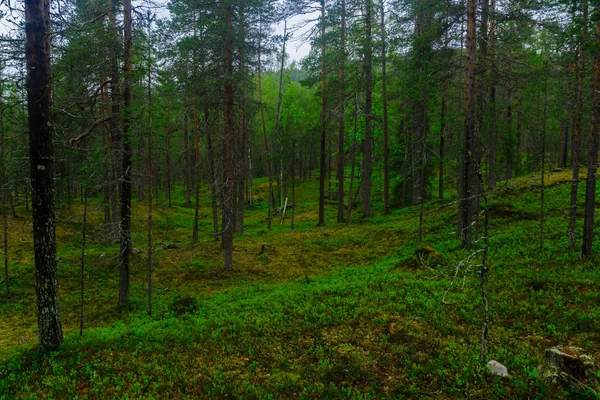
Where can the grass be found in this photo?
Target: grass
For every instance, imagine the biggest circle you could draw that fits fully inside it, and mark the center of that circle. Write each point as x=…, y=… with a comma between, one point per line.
x=334, y=312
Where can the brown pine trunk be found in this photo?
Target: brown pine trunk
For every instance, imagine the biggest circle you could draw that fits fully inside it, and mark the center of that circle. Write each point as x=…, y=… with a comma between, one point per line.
x=367, y=144
x=576, y=140
x=465, y=204
x=590, y=189
x=228, y=189
x=125, y=224
x=41, y=156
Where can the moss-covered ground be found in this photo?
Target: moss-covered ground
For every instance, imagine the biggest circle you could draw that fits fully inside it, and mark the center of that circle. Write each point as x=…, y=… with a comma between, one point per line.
x=342, y=311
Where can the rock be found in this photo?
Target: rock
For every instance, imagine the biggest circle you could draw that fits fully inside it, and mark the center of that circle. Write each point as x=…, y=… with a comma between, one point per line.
x=497, y=369
x=570, y=366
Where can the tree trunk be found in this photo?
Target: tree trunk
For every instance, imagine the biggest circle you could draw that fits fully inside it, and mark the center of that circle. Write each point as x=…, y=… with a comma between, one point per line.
x=41, y=157
x=4, y=183
x=590, y=188
x=125, y=224
x=576, y=140
x=264, y=129
x=367, y=144
x=149, y=174
x=115, y=131
x=466, y=203
x=341, y=161
x=278, y=116
x=322, y=165
x=492, y=103
x=228, y=188
x=386, y=145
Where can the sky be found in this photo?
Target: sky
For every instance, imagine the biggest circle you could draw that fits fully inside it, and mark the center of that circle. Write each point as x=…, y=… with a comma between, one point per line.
x=296, y=48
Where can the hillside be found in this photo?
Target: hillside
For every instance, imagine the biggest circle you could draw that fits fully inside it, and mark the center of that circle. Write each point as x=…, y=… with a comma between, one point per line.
x=333, y=312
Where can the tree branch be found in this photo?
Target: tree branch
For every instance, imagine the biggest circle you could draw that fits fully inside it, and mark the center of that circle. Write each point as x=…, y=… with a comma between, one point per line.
x=85, y=134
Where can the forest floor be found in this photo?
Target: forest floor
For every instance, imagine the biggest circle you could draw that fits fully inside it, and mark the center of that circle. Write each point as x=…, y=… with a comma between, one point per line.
x=343, y=311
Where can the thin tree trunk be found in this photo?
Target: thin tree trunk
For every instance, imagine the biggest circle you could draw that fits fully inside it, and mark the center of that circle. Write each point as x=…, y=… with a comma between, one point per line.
x=278, y=116
x=187, y=175
x=442, y=144
x=149, y=172
x=293, y=217
x=386, y=145
x=241, y=157
x=466, y=203
x=322, y=165
x=82, y=275
x=41, y=157
x=576, y=140
x=492, y=103
x=367, y=144
x=115, y=131
x=228, y=190
x=4, y=182
x=577, y=127
x=264, y=129
x=341, y=161
x=590, y=189
x=196, y=173
x=543, y=166
x=125, y=224
x=353, y=167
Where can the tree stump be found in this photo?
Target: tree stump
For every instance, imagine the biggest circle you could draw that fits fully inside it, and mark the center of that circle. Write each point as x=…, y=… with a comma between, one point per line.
x=571, y=366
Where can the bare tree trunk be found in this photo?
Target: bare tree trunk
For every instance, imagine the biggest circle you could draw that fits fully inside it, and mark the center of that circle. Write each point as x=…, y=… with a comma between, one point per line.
x=264, y=129
x=341, y=159
x=41, y=157
x=228, y=189
x=82, y=276
x=466, y=203
x=242, y=150
x=168, y=167
x=196, y=173
x=368, y=141
x=353, y=167
x=278, y=115
x=149, y=170
x=125, y=225
x=115, y=131
x=187, y=168
x=322, y=165
x=442, y=143
x=4, y=183
x=293, y=217
x=386, y=145
x=590, y=188
x=543, y=187
x=492, y=104
x=576, y=140
x=213, y=174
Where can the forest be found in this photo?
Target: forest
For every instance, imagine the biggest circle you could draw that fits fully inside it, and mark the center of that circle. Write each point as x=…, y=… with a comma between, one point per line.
x=406, y=211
